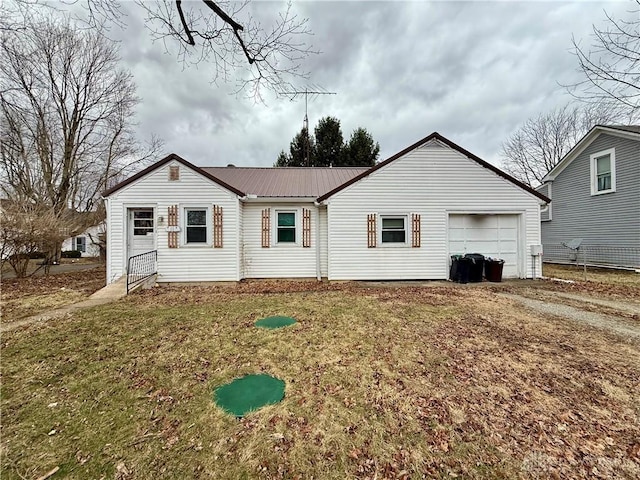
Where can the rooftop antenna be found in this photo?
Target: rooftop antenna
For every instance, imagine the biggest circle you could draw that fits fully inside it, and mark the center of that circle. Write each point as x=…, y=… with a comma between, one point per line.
x=314, y=91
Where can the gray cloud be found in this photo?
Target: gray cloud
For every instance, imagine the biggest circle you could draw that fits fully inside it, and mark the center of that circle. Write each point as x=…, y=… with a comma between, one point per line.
x=474, y=71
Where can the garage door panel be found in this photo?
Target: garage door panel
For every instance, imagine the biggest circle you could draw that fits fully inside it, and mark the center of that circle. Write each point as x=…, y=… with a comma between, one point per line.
x=493, y=236
x=481, y=234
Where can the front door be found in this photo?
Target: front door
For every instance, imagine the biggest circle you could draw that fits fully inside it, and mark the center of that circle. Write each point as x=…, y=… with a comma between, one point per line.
x=142, y=233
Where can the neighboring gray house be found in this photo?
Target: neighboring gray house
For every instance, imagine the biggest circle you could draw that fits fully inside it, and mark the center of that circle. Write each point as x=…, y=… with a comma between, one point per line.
x=595, y=193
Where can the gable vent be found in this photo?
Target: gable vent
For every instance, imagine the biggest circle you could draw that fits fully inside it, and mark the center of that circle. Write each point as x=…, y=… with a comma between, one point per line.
x=174, y=173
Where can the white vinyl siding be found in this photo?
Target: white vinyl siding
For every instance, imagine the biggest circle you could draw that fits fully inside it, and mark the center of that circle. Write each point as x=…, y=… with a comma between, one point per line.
x=186, y=263
x=280, y=260
x=433, y=181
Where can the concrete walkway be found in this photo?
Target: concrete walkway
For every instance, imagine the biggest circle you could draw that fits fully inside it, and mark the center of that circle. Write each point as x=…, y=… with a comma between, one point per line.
x=108, y=294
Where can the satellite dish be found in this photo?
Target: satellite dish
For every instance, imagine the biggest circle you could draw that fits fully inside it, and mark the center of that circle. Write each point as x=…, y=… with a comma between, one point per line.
x=573, y=244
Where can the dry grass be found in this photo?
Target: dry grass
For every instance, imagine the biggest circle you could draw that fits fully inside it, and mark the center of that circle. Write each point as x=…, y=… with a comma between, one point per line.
x=600, y=275
x=381, y=383
x=23, y=297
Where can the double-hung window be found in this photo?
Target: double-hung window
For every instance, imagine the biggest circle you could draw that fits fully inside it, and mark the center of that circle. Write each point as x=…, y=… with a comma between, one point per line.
x=603, y=172
x=286, y=228
x=196, y=225
x=394, y=229
x=80, y=244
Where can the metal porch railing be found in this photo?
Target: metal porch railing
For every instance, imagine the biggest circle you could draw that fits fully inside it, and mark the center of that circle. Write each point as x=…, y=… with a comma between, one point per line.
x=140, y=267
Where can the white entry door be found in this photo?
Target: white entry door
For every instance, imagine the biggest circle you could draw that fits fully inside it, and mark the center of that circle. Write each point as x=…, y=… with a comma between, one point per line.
x=493, y=236
x=142, y=233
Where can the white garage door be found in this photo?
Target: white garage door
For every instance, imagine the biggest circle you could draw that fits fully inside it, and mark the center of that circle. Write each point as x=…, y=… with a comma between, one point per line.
x=493, y=236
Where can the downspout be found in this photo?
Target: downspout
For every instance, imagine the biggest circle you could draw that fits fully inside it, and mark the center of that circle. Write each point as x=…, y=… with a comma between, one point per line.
x=107, y=253
x=318, y=269
x=240, y=270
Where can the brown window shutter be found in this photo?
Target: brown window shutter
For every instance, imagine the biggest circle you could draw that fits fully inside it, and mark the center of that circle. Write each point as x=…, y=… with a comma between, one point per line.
x=266, y=227
x=172, y=221
x=415, y=230
x=371, y=230
x=306, y=227
x=174, y=173
x=217, y=226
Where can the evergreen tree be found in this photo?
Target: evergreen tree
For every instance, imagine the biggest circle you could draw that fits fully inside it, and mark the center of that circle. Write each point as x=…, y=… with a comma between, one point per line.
x=283, y=160
x=361, y=150
x=298, y=152
x=329, y=149
x=329, y=143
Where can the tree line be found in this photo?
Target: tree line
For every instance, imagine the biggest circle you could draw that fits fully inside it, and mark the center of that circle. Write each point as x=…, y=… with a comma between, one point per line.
x=327, y=148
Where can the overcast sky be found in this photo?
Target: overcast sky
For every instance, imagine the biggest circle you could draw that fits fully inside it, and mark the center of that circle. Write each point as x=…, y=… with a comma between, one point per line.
x=472, y=71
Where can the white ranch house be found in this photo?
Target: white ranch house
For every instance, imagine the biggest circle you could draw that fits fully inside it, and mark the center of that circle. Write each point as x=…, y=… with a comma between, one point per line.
x=399, y=220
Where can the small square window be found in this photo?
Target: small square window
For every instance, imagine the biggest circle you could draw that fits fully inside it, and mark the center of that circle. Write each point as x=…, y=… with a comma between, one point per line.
x=394, y=230
x=196, y=225
x=286, y=227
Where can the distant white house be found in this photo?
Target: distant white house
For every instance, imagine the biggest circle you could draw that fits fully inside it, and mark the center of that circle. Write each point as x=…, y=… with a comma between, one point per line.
x=401, y=219
x=86, y=242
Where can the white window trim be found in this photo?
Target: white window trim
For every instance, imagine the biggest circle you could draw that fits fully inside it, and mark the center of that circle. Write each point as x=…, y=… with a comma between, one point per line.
x=407, y=232
x=183, y=223
x=594, y=176
x=74, y=244
x=298, y=230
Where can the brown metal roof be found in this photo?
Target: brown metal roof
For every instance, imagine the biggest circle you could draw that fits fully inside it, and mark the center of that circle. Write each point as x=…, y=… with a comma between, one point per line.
x=285, y=181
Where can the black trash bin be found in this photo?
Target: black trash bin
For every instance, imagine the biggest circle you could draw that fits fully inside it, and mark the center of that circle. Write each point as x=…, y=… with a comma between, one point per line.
x=476, y=266
x=493, y=269
x=459, y=271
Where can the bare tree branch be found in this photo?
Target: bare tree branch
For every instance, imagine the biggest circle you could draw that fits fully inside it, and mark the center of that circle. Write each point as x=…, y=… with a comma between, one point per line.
x=541, y=142
x=611, y=66
x=66, y=110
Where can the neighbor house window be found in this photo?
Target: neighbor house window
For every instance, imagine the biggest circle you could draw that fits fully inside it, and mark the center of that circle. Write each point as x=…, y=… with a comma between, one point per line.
x=196, y=225
x=286, y=227
x=80, y=244
x=603, y=172
x=394, y=229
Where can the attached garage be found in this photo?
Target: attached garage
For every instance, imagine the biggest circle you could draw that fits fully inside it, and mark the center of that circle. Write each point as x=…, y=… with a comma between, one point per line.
x=492, y=235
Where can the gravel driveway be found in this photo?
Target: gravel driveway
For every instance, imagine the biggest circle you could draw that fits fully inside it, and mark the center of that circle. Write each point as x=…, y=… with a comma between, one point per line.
x=612, y=323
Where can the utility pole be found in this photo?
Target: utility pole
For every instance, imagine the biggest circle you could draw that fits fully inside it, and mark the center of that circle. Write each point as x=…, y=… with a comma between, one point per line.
x=313, y=90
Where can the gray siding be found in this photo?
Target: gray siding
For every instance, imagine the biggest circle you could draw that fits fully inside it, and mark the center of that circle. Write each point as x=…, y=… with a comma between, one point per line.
x=545, y=215
x=609, y=220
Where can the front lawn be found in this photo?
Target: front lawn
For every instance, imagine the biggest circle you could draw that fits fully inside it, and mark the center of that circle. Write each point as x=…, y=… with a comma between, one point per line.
x=23, y=297
x=432, y=382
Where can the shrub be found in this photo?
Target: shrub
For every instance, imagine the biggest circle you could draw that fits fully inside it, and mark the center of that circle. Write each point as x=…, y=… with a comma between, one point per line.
x=71, y=254
x=37, y=255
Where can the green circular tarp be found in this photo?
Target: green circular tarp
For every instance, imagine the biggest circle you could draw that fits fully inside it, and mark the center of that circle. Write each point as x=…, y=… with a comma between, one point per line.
x=249, y=393
x=275, y=322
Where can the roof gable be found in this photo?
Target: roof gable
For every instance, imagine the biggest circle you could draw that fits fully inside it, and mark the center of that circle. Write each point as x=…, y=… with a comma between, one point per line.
x=171, y=158
x=450, y=144
x=630, y=131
